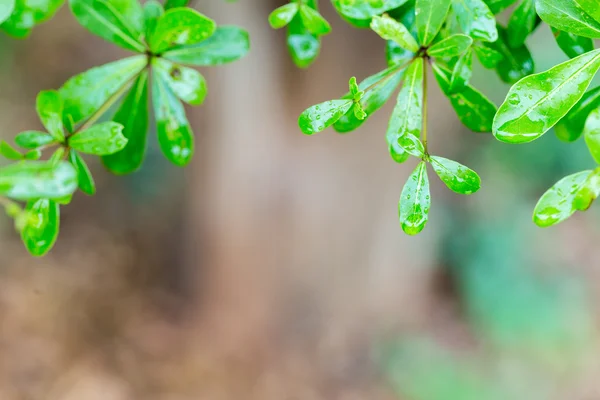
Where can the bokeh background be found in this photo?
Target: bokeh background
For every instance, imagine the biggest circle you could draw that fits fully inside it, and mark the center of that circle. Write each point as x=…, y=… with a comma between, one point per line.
x=274, y=267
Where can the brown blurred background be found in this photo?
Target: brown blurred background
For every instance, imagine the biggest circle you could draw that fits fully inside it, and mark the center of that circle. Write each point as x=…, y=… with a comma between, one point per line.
x=274, y=267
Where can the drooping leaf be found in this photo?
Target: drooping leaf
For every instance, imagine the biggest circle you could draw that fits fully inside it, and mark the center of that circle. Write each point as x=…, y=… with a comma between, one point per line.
x=365, y=9
x=556, y=204
x=313, y=21
x=452, y=46
x=498, y=5
x=430, y=16
x=41, y=226
x=100, y=139
x=84, y=176
x=282, y=16
x=102, y=18
x=49, y=107
x=180, y=26
x=457, y=177
x=461, y=73
x=187, y=83
x=476, y=19
x=304, y=47
x=133, y=115
x=487, y=56
x=9, y=152
x=85, y=93
x=33, y=139
x=588, y=191
x=321, y=116
x=390, y=29
x=570, y=127
x=572, y=45
x=415, y=200
x=173, y=129
x=521, y=23
x=226, y=45
x=153, y=10
x=27, y=180
x=27, y=14
x=591, y=134
x=535, y=103
x=407, y=116
x=568, y=16
x=516, y=63
x=6, y=9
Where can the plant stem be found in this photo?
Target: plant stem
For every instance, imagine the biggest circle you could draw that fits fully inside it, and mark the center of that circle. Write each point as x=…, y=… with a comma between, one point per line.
x=424, y=130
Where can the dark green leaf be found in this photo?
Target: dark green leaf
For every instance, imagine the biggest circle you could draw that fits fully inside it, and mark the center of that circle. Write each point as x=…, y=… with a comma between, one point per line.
x=591, y=133
x=49, y=107
x=304, y=47
x=133, y=115
x=174, y=133
x=521, y=23
x=556, y=204
x=461, y=73
x=40, y=230
x=9, y=152
x=452, y=46
x=57, y=156
x=516, y=63
x=571, y=126
x=176, y=3
x=27, y=180
x=457, y=177
x=180, y=26
x=487, y=56
x=321, y=116
x=390, y=29
x=568, y=16
x=84, y=176
x=153, y=10
x=313, y=21
x=33, y=139
x=498, y=5
x=27, y=14
x=100, y=140
x=282, y=16
x=571, y=44
x=228, y=44
x=33, y=154
x=430, y=16
x=476, y=19
x=188, y=84
x=539, y=101
x=415, y=200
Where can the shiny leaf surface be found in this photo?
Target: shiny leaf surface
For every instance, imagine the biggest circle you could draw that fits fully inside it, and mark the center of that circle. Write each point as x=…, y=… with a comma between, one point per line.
x=430, y=16
x=476, y=19
x=556, y=204
x=390, y=29
x=457, y=177
x=415, y=201
x=40, y=229
x=452, y=46
x=35, y=179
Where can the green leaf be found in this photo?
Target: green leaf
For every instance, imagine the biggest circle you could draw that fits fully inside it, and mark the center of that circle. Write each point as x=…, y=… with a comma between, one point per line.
x=461, y=73
x=27, y=14
x=396, y=55
x=556, y=204
x=516, y=63
x=174, y=133
x=153, y=10
x=568, y=16
x=452, y=46
x=591, y=8
x=9, y=152
x=100, y=139
x=535, y=103
x=588, y=192
x=487, y=56
x=133, y=115
x=430, y=16
x=49, y=107
x=572, y=45
x=498, y=5
x=476, y=19
x=321, y=116
x=383, y=84
x=85, y=93
x=176, y=3
x=85, y=180
x=188, y=84
x=411, y=145
x=103, y=18
x=180, y=26
x=521, y=23
x=27, y=180
x=282, y=16
x=33, y=154
x=415, y=201
x=407, y=117
x=571, y=126
x=41, y=226
x=6, y=9
x=390, y=29
x=57, y=156
x=591, y=133
x=473, y=109
x=313, y=21
x=227, y=44
x=365, y=9
x=33, y=139
x=304, y=47
x=457, y=177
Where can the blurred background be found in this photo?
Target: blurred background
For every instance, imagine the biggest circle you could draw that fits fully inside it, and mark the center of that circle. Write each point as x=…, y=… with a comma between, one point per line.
x=274, y=267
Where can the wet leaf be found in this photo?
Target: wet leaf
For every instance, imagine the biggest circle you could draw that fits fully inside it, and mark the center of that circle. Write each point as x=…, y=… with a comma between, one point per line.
x=522, y=23
x=153, y=10
x=461, y=73
x=572, y=45
x=27, y=180
x=313, y=21
x=282, y=16
x=452, y=46
x=304, y=47
x=40, y=230
x=33, y=139
x=457, y=177
x=188, y=84
x=49, y=107
x=84, y=176
x=430, y=16
x=100, y=139
x=570, y=127
x=321, y=116
x=390, y=29
x=498, y=5
x=588, y=192
x=27, y=14
x=556, y=204
x=568, y=16
x=415, y=201
x=591, y=134
x=412, y=145
x=180, y=26
x=487, y=56
x=516, y=63
x=476, y=19
x=365, y=9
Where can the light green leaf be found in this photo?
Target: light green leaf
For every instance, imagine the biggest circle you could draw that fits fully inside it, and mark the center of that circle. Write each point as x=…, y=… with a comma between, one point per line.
x=535, y=103
x=103, y=18
x=180, y=26
x=476, y=19
x=9, y=152
x=27, y=180
x=227, y=44
x=572, y=45
x=57, y=156
x=588, y=192
x=451, y=46
x=153, y=10
x=568, y=16
x=85, y=93
x=6, y=9
x=415, y=200
x=498, y=5
x=33, y=139
x=304, y=47
x=571, y=126
x=521, y=23
x=487, y=56
x=461, y=73
x=33, y=154
x=390, y=29
x=591, y=133
x=457, y=177
x=321, y=116
x=556, y=204
x=133, y=115
x=516, y=63
x=430, y=16
x=41, y=226
x=27, y=14
x=282, y=16
x=590, y=7
x=100, y=139
x=84, y=176
x=411, y=145
x=365, y=9
x=188, y=84
x=396, y=55
x=49, y=107
x=407, y=117
x=313, y=21
x=473, y=109
x=173, y=129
